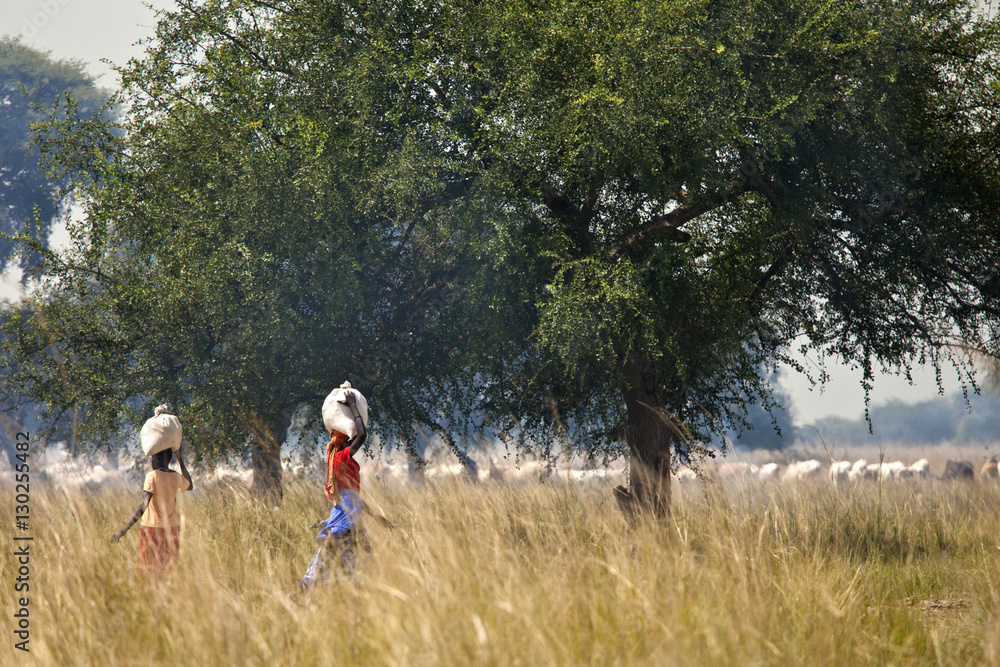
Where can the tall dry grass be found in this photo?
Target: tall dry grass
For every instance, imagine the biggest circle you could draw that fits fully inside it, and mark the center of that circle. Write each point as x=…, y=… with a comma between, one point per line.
x=530, y=575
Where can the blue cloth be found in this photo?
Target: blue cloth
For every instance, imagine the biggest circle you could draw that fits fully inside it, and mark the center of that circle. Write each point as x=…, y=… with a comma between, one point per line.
x=336, y=539
x=344, y=516
x=324, y=560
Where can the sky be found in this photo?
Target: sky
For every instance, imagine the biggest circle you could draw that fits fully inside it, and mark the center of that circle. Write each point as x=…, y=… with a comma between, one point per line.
x=843, y=395
x=96, y=30
x=87, y=30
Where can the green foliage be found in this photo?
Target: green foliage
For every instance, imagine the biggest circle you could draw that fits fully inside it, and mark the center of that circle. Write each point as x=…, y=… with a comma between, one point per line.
x=513, y=216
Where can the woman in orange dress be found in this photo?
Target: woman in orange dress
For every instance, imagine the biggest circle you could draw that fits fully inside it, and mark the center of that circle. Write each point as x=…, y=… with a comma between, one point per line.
x=159, y=534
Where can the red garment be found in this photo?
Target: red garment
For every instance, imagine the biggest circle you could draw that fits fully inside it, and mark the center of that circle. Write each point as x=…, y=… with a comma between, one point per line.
x=347, y=470
x=158, y=547
x=341, y=466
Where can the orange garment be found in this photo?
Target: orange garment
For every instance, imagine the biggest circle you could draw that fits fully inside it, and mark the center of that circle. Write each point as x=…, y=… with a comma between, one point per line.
x=162, y=509
x=342, y=471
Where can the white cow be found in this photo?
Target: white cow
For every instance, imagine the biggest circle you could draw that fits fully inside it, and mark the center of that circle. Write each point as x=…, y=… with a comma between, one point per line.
x=801, y=470
x=686, y=475
x=769, y=471
x=840, y=473
x=586, y=476
x=858, y=470
x=527, y=471
x=736, y=469
x=921, y=469
x=885, y=471
x=393, y=474
x=444, y=471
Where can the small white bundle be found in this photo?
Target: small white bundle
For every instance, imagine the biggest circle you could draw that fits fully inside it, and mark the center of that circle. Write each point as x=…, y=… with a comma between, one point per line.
x=337, y=416
x=160, y=432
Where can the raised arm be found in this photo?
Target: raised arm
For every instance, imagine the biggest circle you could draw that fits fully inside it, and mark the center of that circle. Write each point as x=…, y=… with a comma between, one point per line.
x=372, y=513
x=146, y=497
x=184, y=470
x=361, y=433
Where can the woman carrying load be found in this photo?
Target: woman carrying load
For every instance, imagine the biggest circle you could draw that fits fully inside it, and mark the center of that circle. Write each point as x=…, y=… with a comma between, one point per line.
x=342, y=533
x=159, y=535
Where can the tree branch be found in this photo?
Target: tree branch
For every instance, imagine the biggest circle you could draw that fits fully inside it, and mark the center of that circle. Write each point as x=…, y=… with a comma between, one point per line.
x=670, y=223
x=776, y=266
x=575, y=222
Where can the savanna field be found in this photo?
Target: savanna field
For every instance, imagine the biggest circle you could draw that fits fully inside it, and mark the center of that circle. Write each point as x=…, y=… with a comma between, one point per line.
x=751, y=573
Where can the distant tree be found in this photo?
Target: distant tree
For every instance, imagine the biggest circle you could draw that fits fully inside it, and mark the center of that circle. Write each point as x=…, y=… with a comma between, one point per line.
x=980, y=422
x=769, y=424
x=931, y=421
x=29, y=77
x=954, y=419
x=576, y=223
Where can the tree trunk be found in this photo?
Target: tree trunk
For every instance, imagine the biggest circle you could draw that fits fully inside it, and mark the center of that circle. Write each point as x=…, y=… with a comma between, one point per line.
x=265, y=456
x=648, y=437
x=469, y=465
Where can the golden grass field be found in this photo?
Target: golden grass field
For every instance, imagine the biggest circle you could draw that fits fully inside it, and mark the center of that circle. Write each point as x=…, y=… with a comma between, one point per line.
x=551, y=574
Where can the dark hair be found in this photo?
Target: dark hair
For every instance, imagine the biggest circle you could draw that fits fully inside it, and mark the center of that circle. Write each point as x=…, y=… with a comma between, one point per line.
x=162, y=459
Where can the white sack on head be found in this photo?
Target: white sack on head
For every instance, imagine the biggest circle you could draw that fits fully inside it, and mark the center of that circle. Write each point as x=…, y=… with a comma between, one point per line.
x=160, y=432
x=337, y=416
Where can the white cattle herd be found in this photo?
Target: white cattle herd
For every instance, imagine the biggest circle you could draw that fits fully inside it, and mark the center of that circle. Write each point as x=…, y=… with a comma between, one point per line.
x=840, y=474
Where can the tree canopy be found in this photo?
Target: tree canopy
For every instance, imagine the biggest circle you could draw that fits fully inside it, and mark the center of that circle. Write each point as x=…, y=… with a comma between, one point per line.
x=574, y=223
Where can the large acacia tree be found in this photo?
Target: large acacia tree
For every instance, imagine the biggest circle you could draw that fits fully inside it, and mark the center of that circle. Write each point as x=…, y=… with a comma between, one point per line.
x=572, y=223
